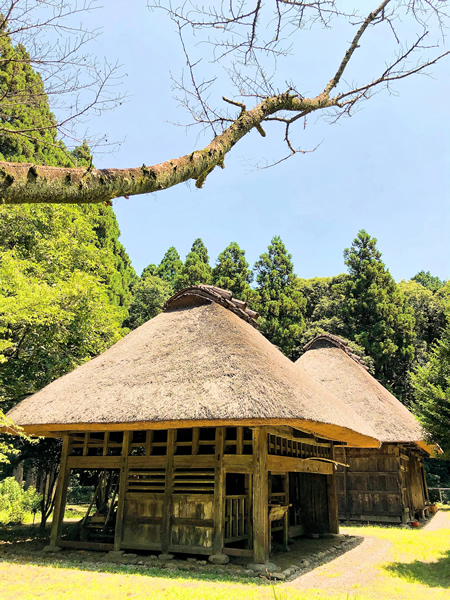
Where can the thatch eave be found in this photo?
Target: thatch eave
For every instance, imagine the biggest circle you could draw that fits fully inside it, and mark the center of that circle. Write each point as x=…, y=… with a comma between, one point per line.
x=322, y=430
x=331, y=366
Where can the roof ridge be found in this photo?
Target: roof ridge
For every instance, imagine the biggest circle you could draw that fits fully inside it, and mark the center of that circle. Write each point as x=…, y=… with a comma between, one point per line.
x=217, y=295
x=338, y=342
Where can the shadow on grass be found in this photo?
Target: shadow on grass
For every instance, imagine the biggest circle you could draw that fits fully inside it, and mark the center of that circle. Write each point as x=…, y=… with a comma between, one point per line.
x=433, y=574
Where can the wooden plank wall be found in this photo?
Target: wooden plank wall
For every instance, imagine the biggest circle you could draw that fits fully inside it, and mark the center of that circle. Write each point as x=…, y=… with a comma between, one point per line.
x=384, y=485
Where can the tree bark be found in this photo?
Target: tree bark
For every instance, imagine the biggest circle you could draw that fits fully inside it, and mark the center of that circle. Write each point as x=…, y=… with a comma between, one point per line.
x=22, y=183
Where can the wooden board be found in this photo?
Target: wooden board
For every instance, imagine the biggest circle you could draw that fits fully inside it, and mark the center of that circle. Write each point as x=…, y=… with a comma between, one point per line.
x=238, y=464
x=283, y=464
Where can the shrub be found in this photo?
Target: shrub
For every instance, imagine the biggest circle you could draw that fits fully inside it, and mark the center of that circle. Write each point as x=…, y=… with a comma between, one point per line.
x=15, y=502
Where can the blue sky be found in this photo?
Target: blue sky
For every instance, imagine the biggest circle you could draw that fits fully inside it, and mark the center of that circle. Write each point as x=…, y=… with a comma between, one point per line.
x=386, y=169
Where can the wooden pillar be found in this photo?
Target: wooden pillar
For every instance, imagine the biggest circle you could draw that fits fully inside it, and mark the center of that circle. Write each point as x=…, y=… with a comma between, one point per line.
x=286, y=516
x=333, y=516
x=168, y=491
x=260, y=496
x=122, y=488
x=346, y=490
x=61, y=493
x=219, y=493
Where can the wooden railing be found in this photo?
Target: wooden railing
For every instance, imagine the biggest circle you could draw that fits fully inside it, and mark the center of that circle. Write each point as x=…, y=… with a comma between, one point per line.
x=236, y=518
x=444, y=498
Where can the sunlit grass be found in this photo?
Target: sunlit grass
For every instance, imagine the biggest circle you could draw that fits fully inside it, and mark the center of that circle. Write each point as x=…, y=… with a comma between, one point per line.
x=417, y=567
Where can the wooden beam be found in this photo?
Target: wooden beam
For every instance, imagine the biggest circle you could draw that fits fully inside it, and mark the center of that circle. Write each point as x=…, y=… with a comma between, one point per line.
x=99, y=546
x=61, y=493
x=283, y=464
x=333, y=513
x=260, y=496
x=168, y=491
x=219, y=492
x=122, y=488
x=94, y=462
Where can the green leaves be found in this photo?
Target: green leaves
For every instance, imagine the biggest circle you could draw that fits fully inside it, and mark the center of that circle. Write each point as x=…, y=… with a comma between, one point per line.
x=149, y=295
x=431, y=384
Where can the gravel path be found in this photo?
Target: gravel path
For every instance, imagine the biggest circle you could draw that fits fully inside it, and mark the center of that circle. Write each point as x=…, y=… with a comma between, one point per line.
x=354, y=569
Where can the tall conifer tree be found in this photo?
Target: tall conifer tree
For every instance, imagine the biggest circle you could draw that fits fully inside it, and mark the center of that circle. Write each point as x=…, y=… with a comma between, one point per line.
x=170, y=267
x=196, y=268
x=280, y=303
x=232, y=273
x=376, y=314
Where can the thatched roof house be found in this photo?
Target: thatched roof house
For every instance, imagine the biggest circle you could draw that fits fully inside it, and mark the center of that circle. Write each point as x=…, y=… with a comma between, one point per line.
x=201, y=361
x=212, y=438
x=371, y=488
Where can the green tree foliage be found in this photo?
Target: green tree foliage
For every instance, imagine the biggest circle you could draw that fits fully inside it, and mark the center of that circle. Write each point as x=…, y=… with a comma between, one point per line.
x=50, y=322
x=280, y=303
x=169, y=269
x=149, y=295
x=431, y=384
x=429, y=316
x=24, y=107
x=15, y=502
x=196, y=268
x=428, y=280
x=64, y=276
x=376, y=314
x=232, y=273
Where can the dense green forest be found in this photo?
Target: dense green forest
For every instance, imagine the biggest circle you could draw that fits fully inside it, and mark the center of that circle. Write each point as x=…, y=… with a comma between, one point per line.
x=68, y=290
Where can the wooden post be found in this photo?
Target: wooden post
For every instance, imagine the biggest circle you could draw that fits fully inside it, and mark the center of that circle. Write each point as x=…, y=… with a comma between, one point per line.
x=61, y=493
x=346, y=490
x=122, y=488
x=260, y=496
x=239, y=440
x=286, y=516
x=105, y=443
x=219, y=493
x=168, y=491
x=195, y=439
x=333, y=516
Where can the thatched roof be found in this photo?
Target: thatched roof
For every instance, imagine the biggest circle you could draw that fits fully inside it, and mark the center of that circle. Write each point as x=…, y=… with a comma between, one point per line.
x=330, y=363
x=195, y=364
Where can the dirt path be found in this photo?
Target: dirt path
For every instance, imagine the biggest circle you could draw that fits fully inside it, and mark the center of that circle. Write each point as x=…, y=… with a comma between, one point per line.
x=440, y=521
x=358, y=571
x=354, y=569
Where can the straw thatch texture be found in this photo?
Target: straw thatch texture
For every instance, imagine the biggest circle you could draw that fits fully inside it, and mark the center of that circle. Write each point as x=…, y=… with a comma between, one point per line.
x=327, y=363
x=191, y=366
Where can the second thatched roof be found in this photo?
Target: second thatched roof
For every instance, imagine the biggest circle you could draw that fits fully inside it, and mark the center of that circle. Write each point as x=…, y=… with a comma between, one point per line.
x=200, y=362
x=330, y=362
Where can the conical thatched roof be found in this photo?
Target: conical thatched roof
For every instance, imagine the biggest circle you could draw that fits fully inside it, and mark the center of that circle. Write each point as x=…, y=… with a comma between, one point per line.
x=329, y=362
x=197, y=363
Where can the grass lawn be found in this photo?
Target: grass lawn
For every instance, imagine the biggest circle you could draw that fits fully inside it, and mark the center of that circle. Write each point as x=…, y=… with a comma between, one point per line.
x=416, y=566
